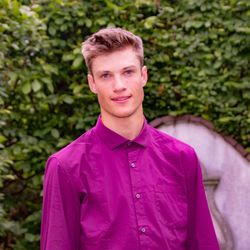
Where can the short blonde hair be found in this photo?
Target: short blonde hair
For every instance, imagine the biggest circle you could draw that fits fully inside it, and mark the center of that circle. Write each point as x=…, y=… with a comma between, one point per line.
x=109, y=40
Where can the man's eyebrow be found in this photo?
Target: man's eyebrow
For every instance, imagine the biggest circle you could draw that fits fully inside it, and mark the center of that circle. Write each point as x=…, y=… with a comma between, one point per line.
x=108, y=71
x=129, y=67
x=102, y=72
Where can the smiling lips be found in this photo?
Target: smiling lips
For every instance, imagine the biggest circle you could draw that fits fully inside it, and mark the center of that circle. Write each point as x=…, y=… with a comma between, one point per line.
x=120, y=99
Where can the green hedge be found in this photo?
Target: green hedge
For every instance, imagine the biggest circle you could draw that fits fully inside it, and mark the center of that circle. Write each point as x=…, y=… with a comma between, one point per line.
x=197, y=52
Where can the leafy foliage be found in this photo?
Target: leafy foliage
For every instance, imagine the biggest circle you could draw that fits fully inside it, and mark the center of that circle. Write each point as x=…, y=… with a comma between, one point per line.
x=197, y=52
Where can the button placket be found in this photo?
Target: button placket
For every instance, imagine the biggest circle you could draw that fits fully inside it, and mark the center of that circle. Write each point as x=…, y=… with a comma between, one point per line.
x=138, y=196
x=132, y=165
x=137, y=184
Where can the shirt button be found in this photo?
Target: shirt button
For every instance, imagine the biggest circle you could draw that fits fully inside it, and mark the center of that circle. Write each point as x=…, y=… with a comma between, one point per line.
x=143, y=229
x=129, y=143
x=138, y=196
x=132, y=165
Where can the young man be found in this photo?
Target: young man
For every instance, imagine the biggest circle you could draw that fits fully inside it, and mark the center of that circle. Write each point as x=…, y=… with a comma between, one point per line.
x=123, y=185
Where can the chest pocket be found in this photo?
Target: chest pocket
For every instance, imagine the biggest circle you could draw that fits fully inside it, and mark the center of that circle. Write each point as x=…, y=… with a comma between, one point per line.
x=171, y=205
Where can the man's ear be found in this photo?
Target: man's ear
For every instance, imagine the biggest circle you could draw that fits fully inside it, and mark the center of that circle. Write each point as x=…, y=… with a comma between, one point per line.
x=144, y=73
x=91, y=83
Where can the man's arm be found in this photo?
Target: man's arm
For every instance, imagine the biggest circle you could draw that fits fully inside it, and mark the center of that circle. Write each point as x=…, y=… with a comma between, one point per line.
x=201, y=234
x=60, y=228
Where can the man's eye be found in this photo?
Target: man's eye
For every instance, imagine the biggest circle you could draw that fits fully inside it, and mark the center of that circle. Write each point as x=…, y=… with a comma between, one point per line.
x=128, y=72
x=105, y=76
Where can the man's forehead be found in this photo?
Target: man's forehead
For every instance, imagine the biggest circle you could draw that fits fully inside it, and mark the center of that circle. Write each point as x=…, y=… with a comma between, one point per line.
x=117, y=53
x=114, y=61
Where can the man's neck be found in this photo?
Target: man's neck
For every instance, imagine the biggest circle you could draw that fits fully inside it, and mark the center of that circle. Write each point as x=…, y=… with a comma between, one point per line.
x=128, y=127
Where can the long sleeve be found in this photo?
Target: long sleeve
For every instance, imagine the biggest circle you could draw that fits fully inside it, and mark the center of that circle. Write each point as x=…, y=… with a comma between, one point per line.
x=60, y=227
x=201, y=234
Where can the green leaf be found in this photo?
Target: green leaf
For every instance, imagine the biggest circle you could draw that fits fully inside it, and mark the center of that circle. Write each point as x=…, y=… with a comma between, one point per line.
x=36, y=85
x=55, y=133
x=52, y=30
x=2, y=138
x=244, y=30
x=88, y=22
x=68, y=57
x=68, y=99
x=150, y=21
x=77, y=89
x=26, y=88
x=77, y=63
x=49, y=84
x=225, y=119
x=32, y=237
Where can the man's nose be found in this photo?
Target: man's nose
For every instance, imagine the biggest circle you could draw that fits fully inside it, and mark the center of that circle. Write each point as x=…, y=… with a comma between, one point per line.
x=119, y=84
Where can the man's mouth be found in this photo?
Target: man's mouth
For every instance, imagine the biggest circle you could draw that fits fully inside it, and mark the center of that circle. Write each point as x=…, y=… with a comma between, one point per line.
x=120, y=98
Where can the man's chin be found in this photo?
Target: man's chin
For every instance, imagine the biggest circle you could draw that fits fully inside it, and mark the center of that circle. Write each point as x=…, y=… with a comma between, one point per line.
x=124, y=114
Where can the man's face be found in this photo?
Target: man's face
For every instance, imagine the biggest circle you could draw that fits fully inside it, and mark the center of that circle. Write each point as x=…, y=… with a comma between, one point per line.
x=118, y=80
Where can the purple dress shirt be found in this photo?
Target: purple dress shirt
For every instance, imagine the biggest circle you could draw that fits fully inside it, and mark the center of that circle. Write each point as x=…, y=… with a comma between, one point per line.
x=104, y=192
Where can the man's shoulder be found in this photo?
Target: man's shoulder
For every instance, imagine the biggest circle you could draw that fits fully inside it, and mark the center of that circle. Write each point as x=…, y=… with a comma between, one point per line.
x=175, y=150
x=165, y=141
x=76, y=148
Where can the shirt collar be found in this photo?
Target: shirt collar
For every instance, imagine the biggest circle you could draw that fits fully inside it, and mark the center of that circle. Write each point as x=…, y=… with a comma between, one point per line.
x=113, y=140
